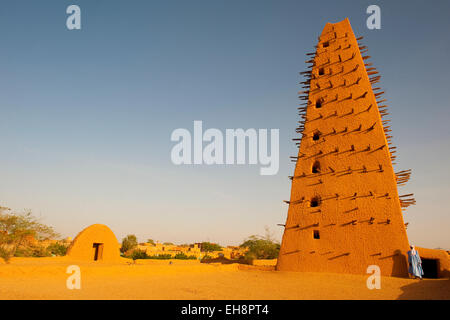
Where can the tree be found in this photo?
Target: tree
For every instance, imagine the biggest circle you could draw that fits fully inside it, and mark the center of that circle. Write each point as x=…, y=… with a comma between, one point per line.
x=139, y=254
x=210, y=247
x=128, y=243
x=15, y=228
x=151, y=241
x=57, y=249
x=261, y=247
x=168, y=244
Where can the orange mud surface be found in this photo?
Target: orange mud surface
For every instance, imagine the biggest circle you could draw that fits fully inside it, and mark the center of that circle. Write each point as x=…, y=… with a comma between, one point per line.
x=45, y=278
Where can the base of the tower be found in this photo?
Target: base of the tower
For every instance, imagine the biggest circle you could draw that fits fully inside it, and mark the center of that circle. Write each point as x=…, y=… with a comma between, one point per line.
x=394, y=264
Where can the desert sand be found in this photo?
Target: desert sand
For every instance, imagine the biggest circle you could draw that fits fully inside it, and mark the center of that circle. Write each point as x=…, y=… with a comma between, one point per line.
x=45, y=278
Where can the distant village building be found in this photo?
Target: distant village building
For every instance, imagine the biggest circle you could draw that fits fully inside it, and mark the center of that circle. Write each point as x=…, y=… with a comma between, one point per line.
x=229, y=252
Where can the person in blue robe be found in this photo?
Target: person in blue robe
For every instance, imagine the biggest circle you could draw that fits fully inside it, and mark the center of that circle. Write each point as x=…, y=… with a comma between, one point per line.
x=415, y=263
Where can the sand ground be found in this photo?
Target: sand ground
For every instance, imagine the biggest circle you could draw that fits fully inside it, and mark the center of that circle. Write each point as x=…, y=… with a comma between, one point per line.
x=45, y=278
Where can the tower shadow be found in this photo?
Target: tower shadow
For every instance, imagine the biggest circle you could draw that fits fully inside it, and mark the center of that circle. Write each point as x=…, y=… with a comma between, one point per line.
x=400, y=264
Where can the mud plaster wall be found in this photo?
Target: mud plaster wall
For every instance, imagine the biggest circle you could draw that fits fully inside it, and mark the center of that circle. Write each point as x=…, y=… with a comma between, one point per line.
x=358, y=216
x=82, y=246
x=441, y=256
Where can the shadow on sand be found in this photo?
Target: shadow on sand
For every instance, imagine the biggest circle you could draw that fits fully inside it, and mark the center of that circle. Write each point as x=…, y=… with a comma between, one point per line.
x=426, y=289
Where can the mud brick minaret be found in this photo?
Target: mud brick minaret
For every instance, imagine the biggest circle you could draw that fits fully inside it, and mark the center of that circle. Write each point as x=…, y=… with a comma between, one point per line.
x=345, y=212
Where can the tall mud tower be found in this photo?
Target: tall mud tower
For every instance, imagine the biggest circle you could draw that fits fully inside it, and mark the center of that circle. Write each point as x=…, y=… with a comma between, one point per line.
x=345, y=212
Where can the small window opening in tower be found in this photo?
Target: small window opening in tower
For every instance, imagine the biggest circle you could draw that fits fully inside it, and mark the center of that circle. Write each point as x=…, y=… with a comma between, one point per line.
x=316, y=167
x=315, y=202
x=316, y=135
x=316, y=234
x=319, y=103
x=321, y=71
x=326, y=44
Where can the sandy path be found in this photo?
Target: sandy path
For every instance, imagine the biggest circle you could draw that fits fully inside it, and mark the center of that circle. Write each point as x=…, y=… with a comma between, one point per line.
x=45, y=278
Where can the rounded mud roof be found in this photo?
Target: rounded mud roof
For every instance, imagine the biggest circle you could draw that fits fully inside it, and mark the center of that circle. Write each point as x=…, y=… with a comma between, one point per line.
x=95, y=243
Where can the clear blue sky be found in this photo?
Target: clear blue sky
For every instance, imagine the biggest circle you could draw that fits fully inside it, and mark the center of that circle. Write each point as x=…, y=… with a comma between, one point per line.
x=86, y=116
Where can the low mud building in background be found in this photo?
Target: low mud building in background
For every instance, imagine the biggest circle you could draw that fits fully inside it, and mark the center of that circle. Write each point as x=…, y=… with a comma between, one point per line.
x=95, y=243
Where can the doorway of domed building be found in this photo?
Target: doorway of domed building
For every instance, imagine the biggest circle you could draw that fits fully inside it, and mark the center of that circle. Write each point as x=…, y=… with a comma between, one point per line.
x=98, y=251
